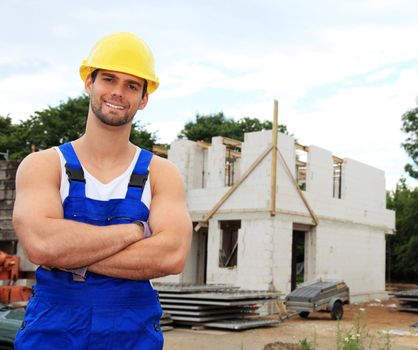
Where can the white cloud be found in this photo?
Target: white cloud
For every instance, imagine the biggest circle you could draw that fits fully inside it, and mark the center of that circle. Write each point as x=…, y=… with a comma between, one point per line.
x=22, y=94
x=166, y=131
x=185, y=78
x=362, y=123
x=380, y=75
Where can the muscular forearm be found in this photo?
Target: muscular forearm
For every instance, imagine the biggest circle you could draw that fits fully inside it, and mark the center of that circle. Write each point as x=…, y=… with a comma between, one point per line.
x=67, y=244
x=154, y=257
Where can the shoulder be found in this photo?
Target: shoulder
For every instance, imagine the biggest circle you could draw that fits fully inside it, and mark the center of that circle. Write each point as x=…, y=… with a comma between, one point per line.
x=163, y=173
x=159, y=164
x=44, y=164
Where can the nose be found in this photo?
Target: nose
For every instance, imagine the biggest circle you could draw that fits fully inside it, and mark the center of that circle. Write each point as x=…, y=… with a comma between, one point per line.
x=117, y=91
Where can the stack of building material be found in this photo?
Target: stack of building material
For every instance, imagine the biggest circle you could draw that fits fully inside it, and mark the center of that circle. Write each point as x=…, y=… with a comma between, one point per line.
x=218, y=306
x=7, y=196
x=408, y=299
x=166, y=322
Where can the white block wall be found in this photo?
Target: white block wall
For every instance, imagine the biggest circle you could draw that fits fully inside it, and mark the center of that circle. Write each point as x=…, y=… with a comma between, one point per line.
x=354, y=253
x=215, y=274
x=190, y=270
x=255, y=254
x=363, y=184
x=190, y=160
x=282, y=257
x=216, y=163
x=319, y=175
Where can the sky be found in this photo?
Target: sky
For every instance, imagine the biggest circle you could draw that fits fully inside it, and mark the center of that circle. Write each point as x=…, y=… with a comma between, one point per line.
x=343, y=72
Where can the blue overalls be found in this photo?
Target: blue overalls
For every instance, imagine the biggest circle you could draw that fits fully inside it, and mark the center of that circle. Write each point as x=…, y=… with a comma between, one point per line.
x=101, y=312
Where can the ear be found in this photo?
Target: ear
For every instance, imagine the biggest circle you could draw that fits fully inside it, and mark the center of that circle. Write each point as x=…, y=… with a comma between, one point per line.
x=144, y=102
x=88, y=83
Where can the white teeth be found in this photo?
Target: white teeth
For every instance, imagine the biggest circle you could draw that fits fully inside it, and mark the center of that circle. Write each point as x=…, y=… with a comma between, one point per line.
x=114, y=106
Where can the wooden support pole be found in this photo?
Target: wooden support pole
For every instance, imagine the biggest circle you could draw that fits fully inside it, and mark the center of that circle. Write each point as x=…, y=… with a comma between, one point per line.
x=274, y=160
x=210, y=213
x=311, y=212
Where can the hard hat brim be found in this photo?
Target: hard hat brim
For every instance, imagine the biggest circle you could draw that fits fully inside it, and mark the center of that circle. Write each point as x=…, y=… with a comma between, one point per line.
x=86, y=70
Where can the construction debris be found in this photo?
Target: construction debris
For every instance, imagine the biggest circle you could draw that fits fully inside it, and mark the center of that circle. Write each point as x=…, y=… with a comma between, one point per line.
x=166, y=322
x=408, y=300
x=217, y=306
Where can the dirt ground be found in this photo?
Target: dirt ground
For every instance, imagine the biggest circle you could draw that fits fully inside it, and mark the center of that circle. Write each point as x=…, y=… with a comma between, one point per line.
x=378, y=317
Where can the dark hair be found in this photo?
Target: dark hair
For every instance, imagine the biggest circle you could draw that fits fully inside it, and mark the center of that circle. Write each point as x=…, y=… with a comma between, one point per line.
x=94, y=75
x=144, y=88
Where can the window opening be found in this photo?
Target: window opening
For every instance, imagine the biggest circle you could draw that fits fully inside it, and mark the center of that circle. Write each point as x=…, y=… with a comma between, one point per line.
x=337, y=177
x=229, y=243
x=229, y=168
x=233, y=151
x=301, y=161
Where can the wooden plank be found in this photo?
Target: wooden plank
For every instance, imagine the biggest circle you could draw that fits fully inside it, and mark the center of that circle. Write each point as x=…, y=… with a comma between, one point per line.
x=233, y=154
x=306, y=149
x=274, y=160
x=232, y=253
x=231, y=142
x=221, y=201
x=160, y=150
x=301, y=147
x=302, y=196
x=203, y=144
x=228, y=152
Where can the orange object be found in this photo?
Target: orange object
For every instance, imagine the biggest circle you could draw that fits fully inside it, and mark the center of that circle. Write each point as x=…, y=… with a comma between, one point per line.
x=9, y=274
x=12, y=294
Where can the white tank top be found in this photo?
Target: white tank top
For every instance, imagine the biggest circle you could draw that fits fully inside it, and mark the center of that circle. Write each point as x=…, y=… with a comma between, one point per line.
x=115, y=189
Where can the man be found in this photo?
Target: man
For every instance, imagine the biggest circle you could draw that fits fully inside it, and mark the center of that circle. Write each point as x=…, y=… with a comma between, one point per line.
x=101, y=216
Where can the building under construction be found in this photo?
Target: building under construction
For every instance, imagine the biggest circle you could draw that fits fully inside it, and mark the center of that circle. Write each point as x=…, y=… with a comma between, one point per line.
x=268, y=217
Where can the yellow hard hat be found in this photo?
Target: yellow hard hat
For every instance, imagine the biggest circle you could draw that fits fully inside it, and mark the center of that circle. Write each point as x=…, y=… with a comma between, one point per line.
x=122, y=52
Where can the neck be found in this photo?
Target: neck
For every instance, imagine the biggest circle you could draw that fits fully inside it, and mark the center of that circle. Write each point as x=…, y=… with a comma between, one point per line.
x=103, y=142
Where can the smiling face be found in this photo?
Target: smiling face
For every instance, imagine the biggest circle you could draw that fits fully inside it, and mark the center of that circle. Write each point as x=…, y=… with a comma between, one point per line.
x=115, y=97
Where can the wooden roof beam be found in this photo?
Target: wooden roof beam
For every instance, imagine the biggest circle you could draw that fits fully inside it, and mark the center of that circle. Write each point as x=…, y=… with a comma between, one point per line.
x=160, y=150
x=231, y=142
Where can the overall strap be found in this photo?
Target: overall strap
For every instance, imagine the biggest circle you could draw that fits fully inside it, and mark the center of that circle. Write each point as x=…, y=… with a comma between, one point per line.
x=139, y=175
x=73, y=170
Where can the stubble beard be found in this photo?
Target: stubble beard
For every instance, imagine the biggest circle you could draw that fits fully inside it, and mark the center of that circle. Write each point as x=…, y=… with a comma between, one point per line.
x=105, y=119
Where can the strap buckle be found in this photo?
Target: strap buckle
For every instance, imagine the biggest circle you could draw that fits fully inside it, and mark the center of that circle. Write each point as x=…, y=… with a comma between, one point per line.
x=138, y=180
x=74, y=174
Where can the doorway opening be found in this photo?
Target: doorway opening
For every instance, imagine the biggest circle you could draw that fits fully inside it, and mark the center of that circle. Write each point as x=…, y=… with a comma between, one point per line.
x=298, y=258
x=195, y=270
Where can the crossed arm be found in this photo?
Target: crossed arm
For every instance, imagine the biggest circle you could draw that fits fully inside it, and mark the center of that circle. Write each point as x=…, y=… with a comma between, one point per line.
x=116, y=250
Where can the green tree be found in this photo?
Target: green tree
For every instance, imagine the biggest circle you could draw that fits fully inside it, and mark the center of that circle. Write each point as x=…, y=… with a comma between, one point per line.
x=402, y=247
x=6, y=128
x=12, y=137
x=204, y=127
x=54, y=126
x=410, y=127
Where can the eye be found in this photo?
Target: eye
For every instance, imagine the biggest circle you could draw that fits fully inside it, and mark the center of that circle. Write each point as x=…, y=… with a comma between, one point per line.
x=133, y=87
x=107, y=78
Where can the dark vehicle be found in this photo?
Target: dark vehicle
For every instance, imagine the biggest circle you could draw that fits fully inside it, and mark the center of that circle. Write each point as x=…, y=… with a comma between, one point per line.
x=10, y=321
x=319, y=295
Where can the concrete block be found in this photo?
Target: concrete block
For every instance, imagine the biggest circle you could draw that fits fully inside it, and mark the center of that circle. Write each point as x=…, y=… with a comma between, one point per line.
x=319, y=177
x=216, y=163
x=363, y=182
